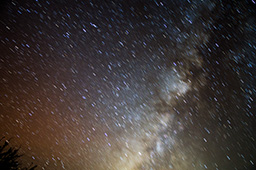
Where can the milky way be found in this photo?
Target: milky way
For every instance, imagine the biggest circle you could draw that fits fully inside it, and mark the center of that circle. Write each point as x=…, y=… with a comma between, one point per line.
x=129, y=85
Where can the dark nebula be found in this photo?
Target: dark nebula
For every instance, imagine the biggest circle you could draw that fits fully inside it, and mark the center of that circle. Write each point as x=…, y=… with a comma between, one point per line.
x=130, y=85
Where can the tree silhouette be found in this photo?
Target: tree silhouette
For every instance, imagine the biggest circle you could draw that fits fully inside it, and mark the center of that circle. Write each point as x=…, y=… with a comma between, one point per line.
x=9, y=158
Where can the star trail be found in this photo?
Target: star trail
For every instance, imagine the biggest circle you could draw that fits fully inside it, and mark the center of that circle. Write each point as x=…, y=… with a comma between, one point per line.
x=129, y=85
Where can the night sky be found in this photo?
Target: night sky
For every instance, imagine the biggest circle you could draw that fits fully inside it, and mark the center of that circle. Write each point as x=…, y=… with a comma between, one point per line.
x=129, y=85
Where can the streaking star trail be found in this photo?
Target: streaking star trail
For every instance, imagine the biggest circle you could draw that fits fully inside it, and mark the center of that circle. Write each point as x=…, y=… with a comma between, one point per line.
x=138, y=85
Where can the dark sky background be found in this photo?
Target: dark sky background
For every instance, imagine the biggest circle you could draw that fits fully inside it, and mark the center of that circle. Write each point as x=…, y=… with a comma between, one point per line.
x=129, y=85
